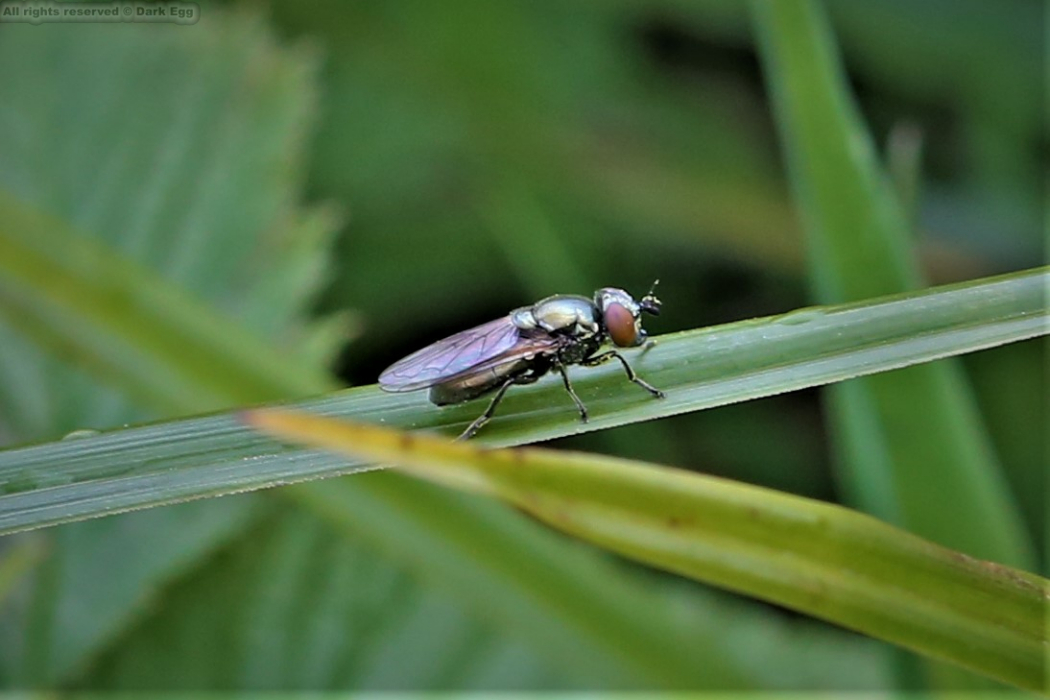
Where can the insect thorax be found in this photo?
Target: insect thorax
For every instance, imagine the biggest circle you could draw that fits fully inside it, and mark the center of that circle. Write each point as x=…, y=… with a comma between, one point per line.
x=566, y=314
x=577, y=350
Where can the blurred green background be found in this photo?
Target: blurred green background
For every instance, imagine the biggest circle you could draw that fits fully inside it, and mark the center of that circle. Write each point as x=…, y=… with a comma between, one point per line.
x=355, y=180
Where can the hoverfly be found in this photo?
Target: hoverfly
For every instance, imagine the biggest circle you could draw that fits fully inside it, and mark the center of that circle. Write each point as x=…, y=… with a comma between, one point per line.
x=524, y=345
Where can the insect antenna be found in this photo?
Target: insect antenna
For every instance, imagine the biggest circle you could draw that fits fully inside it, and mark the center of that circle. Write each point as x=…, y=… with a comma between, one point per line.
x=649, y=303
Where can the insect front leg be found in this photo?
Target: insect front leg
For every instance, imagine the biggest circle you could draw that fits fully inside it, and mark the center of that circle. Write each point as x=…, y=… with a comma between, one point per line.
x=568, y=387
x=608, y=355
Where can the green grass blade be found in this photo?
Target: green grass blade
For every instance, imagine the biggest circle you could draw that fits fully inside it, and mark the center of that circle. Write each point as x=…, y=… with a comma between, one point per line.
x=817, y=558
x=169, y=462
x=937, y=474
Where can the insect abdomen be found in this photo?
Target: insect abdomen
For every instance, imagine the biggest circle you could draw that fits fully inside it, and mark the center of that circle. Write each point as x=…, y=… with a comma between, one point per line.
x=471, y=386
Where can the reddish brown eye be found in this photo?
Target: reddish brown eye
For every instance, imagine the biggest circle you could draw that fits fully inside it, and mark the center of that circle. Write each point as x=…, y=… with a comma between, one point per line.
x=620, y=323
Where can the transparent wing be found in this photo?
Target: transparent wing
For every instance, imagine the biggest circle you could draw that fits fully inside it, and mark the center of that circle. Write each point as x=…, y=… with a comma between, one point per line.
x=472, y=350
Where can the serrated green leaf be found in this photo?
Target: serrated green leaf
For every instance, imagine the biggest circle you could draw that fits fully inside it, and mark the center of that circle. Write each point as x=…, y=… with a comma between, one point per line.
x=67, y=291
x=168, y=147
x=183, y=150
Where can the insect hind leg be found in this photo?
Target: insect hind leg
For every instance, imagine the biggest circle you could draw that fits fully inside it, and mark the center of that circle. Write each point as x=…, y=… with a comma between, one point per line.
x=631, y=375
x=485, y=417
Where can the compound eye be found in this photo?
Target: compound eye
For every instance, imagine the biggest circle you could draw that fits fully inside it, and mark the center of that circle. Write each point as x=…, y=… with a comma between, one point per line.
x=621, y=325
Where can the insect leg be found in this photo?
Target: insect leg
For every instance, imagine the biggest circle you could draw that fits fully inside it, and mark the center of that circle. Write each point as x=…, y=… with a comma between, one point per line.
x=568, y=387
x=608, y=355
x=487, y=415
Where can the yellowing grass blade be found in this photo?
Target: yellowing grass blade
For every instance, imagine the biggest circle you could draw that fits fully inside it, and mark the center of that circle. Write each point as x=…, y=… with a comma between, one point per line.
x=817, y=558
